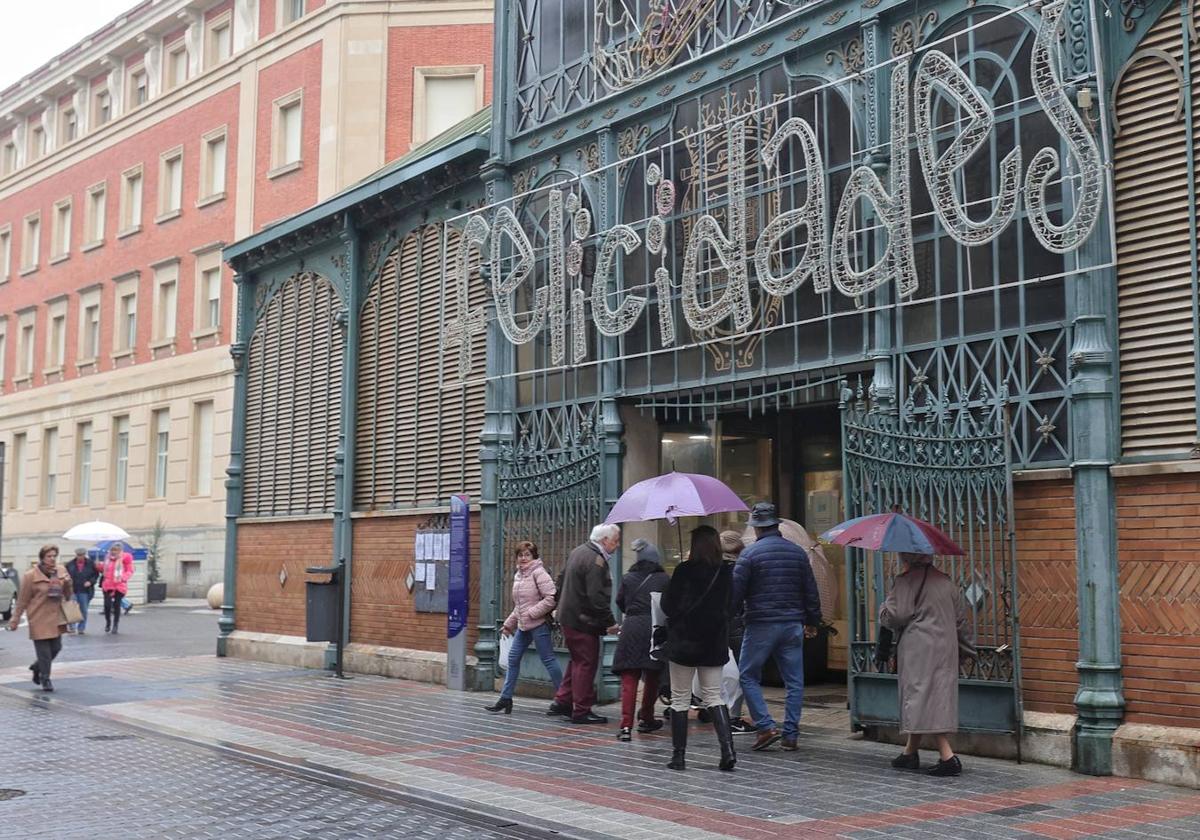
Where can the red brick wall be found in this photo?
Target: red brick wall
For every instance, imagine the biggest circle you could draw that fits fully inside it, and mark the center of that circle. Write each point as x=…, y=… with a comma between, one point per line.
x=1046, y=576
x=174, y=238
x=264, y=548
x=428, y=46
x=286, y=195
x=1158, y=539
x=381, y=607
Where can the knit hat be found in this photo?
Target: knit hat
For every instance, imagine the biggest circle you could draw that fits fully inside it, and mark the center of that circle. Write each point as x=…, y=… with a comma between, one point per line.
x=646, y=550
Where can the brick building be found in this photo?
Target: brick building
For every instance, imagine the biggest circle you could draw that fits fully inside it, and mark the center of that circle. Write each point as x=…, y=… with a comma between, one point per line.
x=126, y=164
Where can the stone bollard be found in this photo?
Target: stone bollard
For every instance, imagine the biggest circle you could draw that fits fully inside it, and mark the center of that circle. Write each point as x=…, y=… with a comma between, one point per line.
x=216, y=594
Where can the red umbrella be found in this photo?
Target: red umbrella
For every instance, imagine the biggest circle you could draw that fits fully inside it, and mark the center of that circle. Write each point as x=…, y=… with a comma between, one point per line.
x=892, y=532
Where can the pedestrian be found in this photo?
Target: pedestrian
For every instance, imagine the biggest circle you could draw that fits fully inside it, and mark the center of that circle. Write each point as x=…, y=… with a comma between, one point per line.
x=732, y=546
x=533, y=595
x=117, y=570
x=84, y=575
x=585, y=613
x=632, y=658
x=774, y=582
x=43, y=589
x=698, y=603
x=927, y=611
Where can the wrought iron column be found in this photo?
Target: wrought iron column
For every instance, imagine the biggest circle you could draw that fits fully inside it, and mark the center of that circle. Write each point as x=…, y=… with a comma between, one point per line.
x=237, y=448
x=1099, y=701
x=343, y=542
x=497, y=430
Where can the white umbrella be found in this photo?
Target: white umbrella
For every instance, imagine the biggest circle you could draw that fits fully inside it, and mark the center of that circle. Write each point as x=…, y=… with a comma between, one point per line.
x=95, y=531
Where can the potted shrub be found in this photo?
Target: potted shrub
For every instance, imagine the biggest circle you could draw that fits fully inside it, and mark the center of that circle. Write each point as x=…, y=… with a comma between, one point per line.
x=156, y=589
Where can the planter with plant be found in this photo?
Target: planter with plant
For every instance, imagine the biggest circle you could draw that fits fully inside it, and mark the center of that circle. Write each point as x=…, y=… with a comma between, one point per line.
x=156, y=589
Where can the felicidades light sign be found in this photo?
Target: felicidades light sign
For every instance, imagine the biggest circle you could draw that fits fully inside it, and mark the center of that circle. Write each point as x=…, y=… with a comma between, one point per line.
x=827, y=260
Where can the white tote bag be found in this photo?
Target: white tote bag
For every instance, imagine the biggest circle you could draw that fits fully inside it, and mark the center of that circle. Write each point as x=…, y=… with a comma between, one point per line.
x=506, y=643
x=658, y=619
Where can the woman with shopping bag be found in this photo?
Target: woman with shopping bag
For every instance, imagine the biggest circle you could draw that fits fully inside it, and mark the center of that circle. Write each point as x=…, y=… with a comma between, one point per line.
x=44, y=595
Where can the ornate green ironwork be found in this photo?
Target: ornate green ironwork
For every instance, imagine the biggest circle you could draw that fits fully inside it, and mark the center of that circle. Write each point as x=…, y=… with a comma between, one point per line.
x=949, y=465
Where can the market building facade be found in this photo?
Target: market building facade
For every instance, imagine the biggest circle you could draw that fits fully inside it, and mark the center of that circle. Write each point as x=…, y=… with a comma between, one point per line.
x=845, y=256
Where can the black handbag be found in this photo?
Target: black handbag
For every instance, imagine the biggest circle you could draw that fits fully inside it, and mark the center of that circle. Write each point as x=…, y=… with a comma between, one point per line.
x=887, y=639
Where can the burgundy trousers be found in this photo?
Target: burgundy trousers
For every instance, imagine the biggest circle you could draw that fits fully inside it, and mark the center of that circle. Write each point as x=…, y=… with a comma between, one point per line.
x=578, y=687
x=629, y=684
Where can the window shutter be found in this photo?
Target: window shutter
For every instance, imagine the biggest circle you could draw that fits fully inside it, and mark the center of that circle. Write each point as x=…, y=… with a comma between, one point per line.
x=293, y=399
x=1158, y=375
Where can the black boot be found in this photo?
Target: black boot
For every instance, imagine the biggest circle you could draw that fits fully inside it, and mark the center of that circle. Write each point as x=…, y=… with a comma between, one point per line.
x=720, y=722
x=37, y=675
x=504, y=704
x=679, y=726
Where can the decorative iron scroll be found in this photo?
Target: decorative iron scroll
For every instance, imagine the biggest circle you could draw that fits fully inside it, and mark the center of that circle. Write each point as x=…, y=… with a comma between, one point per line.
x=719, y=263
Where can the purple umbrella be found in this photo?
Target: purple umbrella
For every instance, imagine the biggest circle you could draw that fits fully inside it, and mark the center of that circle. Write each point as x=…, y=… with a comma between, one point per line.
x=674, y=495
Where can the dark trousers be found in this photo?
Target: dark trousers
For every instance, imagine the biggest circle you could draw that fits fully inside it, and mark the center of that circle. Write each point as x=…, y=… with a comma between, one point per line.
x=629, y=684
x=46, y=650
x=579, y=683
x=112, y=609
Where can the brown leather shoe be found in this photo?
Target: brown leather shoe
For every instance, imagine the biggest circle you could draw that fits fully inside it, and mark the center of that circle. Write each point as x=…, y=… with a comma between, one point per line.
x=766, y=738
x=788, y=744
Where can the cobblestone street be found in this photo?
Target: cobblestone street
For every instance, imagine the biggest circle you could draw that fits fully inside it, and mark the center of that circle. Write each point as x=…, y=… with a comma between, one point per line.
x=424, y=741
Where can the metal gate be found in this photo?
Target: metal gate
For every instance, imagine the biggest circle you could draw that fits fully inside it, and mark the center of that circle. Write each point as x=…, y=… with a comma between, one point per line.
x=550, y=489
x=949, y=466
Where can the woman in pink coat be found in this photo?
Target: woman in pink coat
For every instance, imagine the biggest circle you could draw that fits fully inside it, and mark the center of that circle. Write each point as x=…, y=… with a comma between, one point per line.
x=533, y=601
x=118, y=569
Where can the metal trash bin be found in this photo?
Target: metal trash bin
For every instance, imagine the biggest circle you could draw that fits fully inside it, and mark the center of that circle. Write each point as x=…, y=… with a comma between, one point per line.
x=323, y=605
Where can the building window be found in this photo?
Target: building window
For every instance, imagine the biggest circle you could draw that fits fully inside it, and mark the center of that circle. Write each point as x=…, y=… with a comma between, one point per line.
x=83, y=464
x=69, y=125
x=202, y=449
x=220, y=39
x=10, y=158
x=101, y=107
x=56, y=345
x=25, y=337
x=93, y=215
x=443, y=97
x=37, y=143
x=139, y=92
x=166, y=301
x=162, y=442
x=289, y=118
x=89, y=326
x=120, y=465
x=170, y=184
x=293, y=10
x=131, y=200
x=212, y=164
x=60, y=230
x=5, y=253
x=17, y=494
x=125, y=334
x=209, y=304
x=30, y=245
x=176, y=65
x=49, y=467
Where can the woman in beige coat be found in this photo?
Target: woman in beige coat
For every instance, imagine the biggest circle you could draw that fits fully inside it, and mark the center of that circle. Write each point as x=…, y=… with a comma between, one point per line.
x=927, y=609
x=43, y=590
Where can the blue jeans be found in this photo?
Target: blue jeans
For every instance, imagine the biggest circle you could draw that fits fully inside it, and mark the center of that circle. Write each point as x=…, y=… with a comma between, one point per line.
x=539, y=636
x=83, y=599
x=785, y=641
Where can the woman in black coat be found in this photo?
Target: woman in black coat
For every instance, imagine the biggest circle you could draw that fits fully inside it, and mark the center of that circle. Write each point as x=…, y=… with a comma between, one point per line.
x=632, y=659
x=697, y=604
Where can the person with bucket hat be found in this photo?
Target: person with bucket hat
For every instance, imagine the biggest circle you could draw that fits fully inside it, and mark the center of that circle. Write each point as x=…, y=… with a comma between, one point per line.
x=774, y=581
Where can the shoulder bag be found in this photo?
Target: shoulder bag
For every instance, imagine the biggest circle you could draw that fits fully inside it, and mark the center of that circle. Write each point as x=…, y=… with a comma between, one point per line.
x=889, y=639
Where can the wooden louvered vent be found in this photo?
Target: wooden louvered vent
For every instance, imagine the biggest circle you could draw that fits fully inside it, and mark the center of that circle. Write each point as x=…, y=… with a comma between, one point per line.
x=418, y=426
x=293, y=397
x=1154, y=264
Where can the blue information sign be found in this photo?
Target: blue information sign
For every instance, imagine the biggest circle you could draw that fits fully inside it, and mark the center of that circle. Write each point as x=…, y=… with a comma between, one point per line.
x=460, y=557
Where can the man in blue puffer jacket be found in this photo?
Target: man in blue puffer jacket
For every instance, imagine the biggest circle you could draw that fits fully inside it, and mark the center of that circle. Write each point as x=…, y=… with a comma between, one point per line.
x=775, y=579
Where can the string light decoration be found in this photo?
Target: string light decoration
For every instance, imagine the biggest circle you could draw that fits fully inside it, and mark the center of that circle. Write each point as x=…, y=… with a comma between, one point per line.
x=1047, y=87
x=936, y=73
x=470, y=321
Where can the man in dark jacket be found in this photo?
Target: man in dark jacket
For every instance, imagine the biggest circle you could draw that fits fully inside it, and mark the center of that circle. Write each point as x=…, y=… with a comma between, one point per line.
x=774, y=579
x=585, y=613
x=83, y=584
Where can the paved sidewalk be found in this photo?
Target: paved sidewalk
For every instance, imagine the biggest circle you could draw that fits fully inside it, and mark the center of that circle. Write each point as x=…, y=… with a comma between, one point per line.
x=440, y=745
